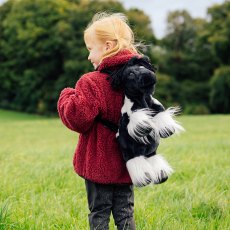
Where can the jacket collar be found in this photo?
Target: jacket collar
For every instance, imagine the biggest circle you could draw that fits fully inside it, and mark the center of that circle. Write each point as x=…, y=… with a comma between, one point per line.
x=116, y=60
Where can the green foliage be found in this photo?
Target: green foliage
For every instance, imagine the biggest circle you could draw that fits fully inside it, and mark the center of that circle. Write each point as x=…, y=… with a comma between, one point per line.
x=137, y=19
x=220, y=90
x=42, y=49
x=187, y=47
x=191, y=96
x=193, y=92
x=40, y=190
x=219, y=32
x=33, y=50
x=193, y=49
x=167, y=90
x=181, y=30
x=196, y=109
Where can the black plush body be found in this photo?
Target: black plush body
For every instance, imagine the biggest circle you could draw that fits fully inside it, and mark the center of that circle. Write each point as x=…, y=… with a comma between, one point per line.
x=143, y=122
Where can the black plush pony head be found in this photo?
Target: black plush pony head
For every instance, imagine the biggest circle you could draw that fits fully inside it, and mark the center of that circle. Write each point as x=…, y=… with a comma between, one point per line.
x=137, y=80
x=136, y=77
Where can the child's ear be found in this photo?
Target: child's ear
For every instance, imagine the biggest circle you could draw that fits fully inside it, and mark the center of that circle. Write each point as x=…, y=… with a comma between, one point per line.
x=109, y=45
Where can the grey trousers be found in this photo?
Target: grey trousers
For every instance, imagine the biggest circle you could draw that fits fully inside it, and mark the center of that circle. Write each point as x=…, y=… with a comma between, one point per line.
x=104, y=199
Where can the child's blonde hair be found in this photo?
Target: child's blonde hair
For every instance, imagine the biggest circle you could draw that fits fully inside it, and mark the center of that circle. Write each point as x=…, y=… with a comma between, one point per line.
x=112, y=27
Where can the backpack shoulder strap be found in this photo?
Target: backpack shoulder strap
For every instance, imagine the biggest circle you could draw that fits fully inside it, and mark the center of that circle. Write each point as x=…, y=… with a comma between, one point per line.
x=108, y=124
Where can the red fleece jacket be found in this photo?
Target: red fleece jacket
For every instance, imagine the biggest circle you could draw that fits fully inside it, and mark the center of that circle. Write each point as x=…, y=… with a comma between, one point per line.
x=97, y=156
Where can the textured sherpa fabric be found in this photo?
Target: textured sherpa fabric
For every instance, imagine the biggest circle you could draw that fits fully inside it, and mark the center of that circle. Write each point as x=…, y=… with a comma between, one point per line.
x=97, y=156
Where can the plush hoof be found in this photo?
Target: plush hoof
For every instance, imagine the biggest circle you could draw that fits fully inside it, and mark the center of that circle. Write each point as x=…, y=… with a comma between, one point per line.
x=162, y=178
x=147, y=181
x=161, y=169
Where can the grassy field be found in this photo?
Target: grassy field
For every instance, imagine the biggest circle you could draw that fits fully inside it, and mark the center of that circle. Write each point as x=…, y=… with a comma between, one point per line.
x=39, y=190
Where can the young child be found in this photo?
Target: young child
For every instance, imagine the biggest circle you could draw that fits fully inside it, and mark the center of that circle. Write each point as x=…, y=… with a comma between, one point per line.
x=98, y=159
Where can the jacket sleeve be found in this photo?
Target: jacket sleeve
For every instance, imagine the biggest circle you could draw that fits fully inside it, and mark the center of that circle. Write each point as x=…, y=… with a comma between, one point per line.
x=79, y=107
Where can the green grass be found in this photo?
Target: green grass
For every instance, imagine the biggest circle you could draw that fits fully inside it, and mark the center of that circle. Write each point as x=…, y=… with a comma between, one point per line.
x=39, y=189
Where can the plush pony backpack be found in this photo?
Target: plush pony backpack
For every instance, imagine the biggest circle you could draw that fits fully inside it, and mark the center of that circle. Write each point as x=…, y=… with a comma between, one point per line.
x=143, y=122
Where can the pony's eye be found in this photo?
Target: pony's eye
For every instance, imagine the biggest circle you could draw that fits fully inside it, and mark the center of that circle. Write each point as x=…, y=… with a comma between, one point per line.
x=131, y=76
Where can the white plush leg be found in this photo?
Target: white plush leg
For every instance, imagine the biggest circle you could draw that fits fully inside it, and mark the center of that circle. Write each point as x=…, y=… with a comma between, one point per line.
x=140, y=124
x=139, y=170
x=161, y=168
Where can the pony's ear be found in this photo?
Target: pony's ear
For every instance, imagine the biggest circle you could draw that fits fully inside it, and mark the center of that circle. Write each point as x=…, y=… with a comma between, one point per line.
x=142, y=61
x=132, y=61
x=145, y=61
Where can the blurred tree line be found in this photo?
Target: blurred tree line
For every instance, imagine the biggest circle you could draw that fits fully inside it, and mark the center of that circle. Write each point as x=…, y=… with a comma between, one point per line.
x=42, y=51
